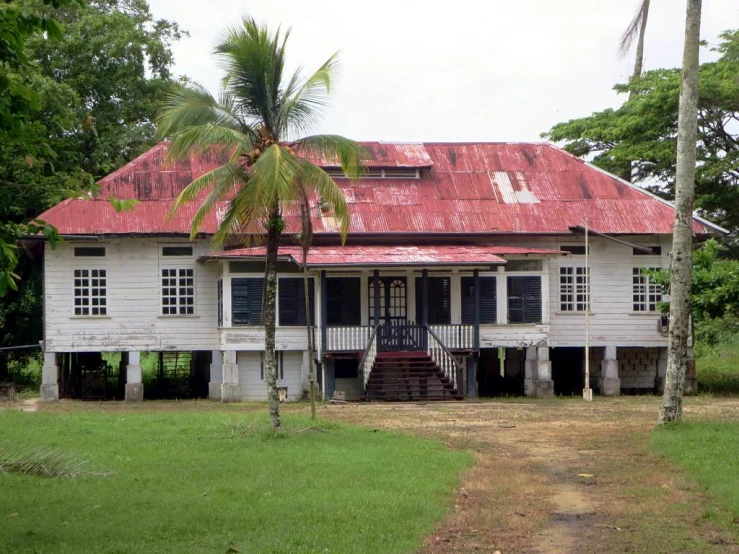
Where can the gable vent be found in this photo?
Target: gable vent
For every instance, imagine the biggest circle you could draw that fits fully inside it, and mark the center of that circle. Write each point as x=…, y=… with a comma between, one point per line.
x=376, y=173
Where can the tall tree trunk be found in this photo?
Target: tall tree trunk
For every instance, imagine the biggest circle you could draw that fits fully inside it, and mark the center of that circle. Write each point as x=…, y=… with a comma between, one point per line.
x=309, y=328
x=682, y=241
x=639, y=61
x=269, y=316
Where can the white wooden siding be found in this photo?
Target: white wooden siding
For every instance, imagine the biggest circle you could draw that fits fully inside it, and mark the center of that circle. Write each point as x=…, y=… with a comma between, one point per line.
x=253, y=387
x=134, y=320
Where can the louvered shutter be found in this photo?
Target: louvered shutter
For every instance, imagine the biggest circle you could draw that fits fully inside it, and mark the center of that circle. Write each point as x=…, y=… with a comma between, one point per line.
x=488, y=300
x=292, y=301
x=246, y=301
x=524, y=299
x=343, y=302
x=439, y=300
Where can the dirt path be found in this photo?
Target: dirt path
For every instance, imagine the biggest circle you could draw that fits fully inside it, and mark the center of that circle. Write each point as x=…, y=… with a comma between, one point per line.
x=562, y=477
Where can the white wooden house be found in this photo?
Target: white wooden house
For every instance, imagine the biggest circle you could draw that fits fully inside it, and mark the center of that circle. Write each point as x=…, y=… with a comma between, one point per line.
x=464, y=273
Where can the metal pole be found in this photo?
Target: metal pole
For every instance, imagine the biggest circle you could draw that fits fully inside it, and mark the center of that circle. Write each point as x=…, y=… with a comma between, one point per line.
x=587, y=392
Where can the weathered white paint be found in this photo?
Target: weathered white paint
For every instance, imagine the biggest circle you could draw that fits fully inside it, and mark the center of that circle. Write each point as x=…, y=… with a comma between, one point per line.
x=50, y=378
x=254, y=387
x=216, y=375
x=134, y=390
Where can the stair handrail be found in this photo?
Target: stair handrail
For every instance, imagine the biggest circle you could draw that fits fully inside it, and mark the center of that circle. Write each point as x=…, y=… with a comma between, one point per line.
x=447, y=361
x=369, y=355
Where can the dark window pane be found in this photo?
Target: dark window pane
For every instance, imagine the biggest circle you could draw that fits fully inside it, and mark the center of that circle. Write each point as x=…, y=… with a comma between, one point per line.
x=177, y=251
x=439, y=300
x=89, y=251
x=291, y=293
x=343, y=301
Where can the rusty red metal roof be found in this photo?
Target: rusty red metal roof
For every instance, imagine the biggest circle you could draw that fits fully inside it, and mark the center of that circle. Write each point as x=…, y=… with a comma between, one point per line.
x=387, y=154
x=475, y=188
x=322, y=256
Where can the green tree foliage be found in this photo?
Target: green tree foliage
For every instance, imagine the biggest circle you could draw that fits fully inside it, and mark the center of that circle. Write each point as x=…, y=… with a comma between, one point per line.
x=80, y=82
x=643, y=133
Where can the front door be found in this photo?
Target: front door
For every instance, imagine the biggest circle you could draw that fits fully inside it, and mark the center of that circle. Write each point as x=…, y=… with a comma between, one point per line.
x=396, y=333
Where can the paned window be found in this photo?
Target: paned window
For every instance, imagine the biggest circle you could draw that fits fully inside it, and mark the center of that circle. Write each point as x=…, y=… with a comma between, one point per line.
x=90, y=292
x=178, y=291
x=574, y=289
x=524, y=299
x=291, y=293
x=647, y=294
x=246, y=300
x=488, y=300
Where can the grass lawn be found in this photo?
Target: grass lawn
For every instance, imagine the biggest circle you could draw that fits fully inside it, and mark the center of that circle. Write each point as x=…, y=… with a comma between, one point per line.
x=709, y=451
x=209, y=481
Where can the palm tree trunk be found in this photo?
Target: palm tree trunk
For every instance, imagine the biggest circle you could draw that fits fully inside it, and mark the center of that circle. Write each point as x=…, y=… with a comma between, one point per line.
x=682, y=242
x=309, y=328
x=639, y=61
x=269, y=315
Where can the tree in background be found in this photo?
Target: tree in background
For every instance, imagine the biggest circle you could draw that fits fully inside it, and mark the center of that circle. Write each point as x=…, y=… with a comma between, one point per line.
x=681, y=265
x=80, y=87
x=644, y=129
x=257, y=117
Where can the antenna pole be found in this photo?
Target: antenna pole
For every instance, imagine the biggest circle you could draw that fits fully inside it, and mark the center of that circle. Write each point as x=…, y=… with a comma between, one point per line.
x=587, y=392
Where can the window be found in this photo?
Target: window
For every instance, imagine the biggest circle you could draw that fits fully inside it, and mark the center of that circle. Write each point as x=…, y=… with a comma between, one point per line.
x=246, y=301
x=574, y=289
x=90, y=292
x=647, y=294
x=575, y=250
x=181, y=251
x=656, y=251
x=291, y=293
x=178, y=291
x=89, y=251
x=377, y=173
x=279, y=362
x=488, y=300
x=343, y=301
x=439, y=300
x=524, y=265
x=524, y=299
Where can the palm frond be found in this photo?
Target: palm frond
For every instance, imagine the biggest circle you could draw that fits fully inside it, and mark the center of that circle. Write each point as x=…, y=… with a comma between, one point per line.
x=277, y=172
x=632, y=31
x=329, y=192
x=244, y=212
x=346, y=152
x=42, y=461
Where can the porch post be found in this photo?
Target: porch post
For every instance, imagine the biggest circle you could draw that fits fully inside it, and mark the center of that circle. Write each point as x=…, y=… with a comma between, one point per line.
x=324, y=313
x=216, y=375
x=610, y=385
x=50, y=378
x=134, y=386
x=425, y=305
x=544, y=386
x=471, y=377
x=376, y=277
x=476, y=279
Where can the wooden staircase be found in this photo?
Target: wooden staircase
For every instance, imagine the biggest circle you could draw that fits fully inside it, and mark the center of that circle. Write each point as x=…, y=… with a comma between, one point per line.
x=406, y=377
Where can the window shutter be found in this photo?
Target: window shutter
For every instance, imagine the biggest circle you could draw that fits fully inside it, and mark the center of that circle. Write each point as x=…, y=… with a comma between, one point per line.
x=532, y=299
x=515, y=300
x=292, y=301
x=343, y=301
x=488, y=300
x=439, y=300
x=246, y=301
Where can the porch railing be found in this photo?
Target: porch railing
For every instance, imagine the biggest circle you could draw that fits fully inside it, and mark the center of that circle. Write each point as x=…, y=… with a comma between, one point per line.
x=456, y=337
x=448, y=363
x=368, y=359
x=347, y=338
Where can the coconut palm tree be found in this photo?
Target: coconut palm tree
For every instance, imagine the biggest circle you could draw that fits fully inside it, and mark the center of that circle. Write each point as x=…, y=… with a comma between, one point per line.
x=259, y=117
x=635, y=31
x=682, y=237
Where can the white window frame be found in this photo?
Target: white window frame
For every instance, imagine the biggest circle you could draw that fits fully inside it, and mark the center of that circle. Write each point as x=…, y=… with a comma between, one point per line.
x=177, y=268
x=572, y=282
x=643, y=287
x=78, y=280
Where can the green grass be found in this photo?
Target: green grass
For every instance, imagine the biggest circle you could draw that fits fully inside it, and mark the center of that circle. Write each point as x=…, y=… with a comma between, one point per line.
x=717, y=368
x=205, y=482
x=709, y=451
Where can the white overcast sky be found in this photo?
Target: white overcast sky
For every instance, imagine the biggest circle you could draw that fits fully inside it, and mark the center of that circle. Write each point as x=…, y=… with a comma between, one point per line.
x=495, y=70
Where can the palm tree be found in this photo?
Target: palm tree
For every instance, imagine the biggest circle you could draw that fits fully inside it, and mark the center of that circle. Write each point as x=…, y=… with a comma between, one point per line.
x=257, y=117
x=682, y=241
x=636, y=30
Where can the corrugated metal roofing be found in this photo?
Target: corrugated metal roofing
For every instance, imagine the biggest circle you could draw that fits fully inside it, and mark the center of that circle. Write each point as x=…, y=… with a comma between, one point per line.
x=387, y=154
x=481, y=188
x=320, y=256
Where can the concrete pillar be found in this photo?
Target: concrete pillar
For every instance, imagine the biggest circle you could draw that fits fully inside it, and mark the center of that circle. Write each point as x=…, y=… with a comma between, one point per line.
x=471, y=377
x=544, y=386
x=529, y=382
x=659, y=382
x=134, y=386
x=691, y=379
x=50, y=378
x=230, y=389
x=610, y=384
x=216, y=375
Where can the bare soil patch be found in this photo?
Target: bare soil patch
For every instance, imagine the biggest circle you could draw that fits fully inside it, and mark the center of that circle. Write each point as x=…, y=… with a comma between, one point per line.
x=562, y=476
